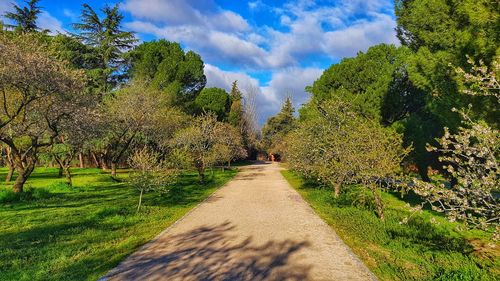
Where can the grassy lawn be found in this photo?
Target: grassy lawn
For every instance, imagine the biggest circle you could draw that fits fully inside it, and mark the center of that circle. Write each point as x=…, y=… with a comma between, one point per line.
x=61, y=233
x=418, y=251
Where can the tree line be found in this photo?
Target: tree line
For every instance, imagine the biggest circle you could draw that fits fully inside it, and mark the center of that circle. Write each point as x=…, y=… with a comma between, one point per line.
x=428, y=106
x=99, y=96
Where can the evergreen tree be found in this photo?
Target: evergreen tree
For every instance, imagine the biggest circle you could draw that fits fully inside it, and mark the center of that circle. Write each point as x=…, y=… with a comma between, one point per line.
x=236, y=112
x=105, y=34
x=25, y=18
x=277, y=127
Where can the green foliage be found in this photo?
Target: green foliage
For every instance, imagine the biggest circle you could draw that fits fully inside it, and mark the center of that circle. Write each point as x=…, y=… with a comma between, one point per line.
x=214, y=100
x=168, y=68
x=338, y=146
x=207, y=142
x=25, y=17
x=420, y=250
x=110, y=41
x=277, y=127
x=457, y=27
x=368, y=81
x=81, y=233
x=236, y=117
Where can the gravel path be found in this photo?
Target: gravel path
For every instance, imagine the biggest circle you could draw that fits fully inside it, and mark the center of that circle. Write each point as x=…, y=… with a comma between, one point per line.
x=256, y=227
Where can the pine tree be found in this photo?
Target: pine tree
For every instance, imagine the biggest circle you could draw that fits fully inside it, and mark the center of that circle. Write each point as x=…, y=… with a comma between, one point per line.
x=105, y=34
x=25, y=18
x=236, y=112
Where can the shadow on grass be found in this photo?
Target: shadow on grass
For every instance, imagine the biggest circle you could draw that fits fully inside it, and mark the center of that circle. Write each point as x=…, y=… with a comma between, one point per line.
x=211, y=253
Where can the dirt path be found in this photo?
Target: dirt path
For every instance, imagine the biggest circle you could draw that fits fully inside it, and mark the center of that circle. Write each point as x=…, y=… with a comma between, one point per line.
x=254, y=228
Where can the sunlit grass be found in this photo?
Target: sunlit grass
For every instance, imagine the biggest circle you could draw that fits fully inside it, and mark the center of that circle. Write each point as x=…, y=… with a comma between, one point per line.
x=63, y=233
x=420, y=250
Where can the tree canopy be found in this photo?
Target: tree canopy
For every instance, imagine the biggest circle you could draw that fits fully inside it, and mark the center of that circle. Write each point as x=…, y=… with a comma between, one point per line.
x=168, y=68
x=25, y=18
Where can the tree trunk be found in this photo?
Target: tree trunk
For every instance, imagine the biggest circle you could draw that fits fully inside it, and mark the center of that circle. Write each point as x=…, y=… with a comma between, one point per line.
x=140, y=201
x=104, y=164
x=337, y=187
x=96, y=161
x=113, y=169
x=10, y=165
x=60, y=172
x=422, y=171
x=378, y=202
x=201, y=174
x=80, y=157
x=8, y=178
x=67, y=172
x=19, y=184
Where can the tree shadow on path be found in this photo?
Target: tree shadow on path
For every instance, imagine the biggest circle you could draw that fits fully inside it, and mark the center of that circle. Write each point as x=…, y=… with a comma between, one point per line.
x=211, y=253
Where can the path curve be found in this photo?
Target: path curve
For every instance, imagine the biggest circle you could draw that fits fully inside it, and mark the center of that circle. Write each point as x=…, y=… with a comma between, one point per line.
x=256, y=227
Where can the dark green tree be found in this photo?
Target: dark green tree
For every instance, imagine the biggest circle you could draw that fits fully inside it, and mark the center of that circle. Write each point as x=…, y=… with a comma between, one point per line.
x=25, y=17
x=378, y=86
x=105, y=34
x=214, y=100
x=168, y=68
x=277, y=127
x=236, y=111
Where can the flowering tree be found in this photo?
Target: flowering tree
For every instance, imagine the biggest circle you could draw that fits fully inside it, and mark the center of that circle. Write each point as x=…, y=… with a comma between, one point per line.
x=337, y=146
x=471, y=158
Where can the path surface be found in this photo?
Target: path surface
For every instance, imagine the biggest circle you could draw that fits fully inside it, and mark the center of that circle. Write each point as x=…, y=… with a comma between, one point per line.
x=254, y=228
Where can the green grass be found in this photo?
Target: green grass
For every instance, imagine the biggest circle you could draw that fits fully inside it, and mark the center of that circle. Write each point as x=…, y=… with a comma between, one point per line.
x=60, y=233
x=419, y=250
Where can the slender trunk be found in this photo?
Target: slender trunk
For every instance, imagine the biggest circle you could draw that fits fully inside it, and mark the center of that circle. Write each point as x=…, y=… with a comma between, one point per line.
x=96, y=161
x=60, y=172
x=378, y=202
x=201, y=174
x=10, y=173
x=104, y=163
x=337, y=187
x=113, y=169
x=80, y=157
x=10, y=164
x=67, y=172
x=140, y=201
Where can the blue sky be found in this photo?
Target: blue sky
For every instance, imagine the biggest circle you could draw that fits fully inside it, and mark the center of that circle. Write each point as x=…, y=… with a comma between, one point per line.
x=273, y=48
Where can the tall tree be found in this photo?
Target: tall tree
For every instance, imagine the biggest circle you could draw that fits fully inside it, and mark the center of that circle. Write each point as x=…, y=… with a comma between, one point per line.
x=25, y=17
x=168, y=68
x=277, y=127
x=235, y=117
x=106, y=35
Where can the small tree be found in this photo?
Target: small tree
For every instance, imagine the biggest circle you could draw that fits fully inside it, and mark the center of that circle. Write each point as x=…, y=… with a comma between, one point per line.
x=205, y=143
x=336, y=146
x=149, y=173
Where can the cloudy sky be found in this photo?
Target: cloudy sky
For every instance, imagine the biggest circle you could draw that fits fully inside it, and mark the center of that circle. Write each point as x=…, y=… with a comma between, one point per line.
x=273, y=48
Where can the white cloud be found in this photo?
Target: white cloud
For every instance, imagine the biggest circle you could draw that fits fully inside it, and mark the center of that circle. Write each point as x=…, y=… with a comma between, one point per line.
x=46, y=21
x=200, y=13
x=286, y=82
x=307, y=29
